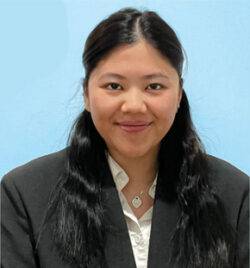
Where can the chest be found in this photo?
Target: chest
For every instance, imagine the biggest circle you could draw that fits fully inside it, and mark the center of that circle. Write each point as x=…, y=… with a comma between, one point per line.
x=119, y=248
x=139, y=202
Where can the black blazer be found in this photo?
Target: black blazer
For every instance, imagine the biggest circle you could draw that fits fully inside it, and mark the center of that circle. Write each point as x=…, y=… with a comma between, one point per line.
x=25, y=193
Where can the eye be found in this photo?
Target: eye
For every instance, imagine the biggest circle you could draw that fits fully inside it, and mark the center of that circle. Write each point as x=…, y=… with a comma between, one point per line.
x=155, y=86
x=114, y=86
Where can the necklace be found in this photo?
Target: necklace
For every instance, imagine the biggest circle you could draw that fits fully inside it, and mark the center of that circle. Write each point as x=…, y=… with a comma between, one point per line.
x=137, y=201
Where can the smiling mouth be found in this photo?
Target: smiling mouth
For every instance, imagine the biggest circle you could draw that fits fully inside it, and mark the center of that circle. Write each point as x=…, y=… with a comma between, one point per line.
x=134, y=126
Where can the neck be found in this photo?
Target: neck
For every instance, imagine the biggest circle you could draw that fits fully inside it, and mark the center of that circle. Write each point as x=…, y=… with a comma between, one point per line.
x=140, y=170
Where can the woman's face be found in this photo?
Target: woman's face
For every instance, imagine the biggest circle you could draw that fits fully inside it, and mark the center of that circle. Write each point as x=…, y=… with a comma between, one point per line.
x=133, y=95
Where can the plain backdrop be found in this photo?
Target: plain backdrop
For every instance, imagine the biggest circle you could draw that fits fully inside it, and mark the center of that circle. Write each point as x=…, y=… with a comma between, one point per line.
x=41, y=45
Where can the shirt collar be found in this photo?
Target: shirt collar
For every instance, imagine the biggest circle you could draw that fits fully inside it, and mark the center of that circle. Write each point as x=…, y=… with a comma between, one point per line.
x=121, y=178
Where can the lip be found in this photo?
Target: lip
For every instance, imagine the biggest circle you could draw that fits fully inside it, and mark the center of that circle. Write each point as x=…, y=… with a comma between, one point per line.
x=133, y=126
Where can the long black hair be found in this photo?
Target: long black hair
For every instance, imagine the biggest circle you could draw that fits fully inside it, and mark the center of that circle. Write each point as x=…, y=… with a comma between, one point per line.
x=202, y=237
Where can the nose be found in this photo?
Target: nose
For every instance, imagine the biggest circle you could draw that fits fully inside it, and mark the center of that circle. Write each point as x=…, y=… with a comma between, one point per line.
x=133, y=102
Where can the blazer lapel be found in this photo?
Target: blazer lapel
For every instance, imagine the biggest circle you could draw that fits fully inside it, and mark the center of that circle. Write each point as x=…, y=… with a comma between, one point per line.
x=118, y=248
x=164, y=221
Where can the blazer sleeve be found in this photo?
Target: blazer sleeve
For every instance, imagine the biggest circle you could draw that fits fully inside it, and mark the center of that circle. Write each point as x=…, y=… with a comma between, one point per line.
x=17, y=243
x=243, y=233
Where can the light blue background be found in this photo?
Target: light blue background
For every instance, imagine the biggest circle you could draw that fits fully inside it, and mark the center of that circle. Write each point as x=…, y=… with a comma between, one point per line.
x=41, y=70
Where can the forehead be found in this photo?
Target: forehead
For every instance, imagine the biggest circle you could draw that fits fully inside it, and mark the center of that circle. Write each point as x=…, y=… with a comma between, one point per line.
x=138, y=59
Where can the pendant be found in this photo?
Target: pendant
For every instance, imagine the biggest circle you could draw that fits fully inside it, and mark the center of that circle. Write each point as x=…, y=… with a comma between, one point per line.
x=137, y=202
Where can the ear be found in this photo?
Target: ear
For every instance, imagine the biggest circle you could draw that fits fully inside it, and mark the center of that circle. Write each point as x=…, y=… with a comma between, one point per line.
x=86, y=99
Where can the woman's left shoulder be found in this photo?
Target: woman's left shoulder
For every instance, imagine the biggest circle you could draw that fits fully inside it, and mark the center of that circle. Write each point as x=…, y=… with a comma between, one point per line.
x=229, y=181
x=226, y=171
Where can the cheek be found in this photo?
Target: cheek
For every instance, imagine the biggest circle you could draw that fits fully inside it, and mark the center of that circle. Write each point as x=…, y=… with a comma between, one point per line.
x=166, y=108
x=101, y=109
x=96, y=105
x=165, y=112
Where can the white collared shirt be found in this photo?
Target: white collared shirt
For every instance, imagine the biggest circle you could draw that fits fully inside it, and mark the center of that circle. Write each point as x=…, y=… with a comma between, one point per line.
x=139, y=230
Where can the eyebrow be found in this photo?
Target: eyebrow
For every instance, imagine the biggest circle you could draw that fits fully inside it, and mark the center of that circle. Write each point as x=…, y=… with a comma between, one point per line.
x=148, y=76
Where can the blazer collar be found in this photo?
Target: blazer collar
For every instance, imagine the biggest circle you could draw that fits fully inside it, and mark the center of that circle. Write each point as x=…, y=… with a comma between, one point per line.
x=118, y=248
x=164, y=220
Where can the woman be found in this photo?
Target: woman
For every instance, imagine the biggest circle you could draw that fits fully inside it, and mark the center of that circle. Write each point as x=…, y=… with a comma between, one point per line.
x=134, y=188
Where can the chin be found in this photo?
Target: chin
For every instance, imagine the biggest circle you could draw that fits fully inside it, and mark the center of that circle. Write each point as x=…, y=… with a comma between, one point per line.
x=134, y=152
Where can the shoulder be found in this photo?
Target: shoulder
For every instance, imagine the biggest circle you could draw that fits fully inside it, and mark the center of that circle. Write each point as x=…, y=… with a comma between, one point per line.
x=222, y=173
x=38, y=171
x=27, y=188
x=231, y=186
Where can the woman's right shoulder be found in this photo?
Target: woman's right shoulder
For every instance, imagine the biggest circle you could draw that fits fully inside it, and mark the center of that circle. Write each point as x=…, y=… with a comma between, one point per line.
x=40, y=172
x=25, y=190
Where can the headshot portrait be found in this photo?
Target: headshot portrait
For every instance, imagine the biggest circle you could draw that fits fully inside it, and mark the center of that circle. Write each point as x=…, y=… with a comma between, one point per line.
x=125, y=134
